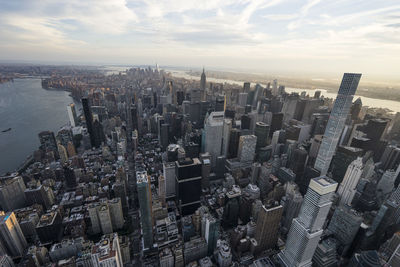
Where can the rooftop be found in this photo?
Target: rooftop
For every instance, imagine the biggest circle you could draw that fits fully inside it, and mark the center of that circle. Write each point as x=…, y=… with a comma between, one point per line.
x=47, y=219
x=323, y=185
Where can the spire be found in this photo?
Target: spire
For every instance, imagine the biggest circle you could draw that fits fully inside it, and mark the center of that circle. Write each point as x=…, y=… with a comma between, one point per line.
x=203, y=80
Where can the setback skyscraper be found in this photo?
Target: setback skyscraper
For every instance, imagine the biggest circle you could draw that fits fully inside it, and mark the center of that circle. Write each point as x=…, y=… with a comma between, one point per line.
x=203, y=81
x=347, y=188
x=336, y=121
x=305, y=232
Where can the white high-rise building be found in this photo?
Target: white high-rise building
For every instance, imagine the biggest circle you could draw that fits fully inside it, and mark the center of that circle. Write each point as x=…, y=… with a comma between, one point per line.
x=337, y=120
x=274, y=141
x=347, y=188
x=213, y=131
x=73, y=119
x=306, y=229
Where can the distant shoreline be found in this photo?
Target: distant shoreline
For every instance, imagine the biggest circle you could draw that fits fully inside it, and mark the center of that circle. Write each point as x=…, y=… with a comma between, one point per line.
x=364, y=90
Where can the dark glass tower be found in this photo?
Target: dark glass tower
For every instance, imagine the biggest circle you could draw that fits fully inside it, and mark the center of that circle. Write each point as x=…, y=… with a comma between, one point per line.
x=145, y=204
x=70, y=177
x=89, y=119
x=98, y=133
x=188, y=184
x=261, y=132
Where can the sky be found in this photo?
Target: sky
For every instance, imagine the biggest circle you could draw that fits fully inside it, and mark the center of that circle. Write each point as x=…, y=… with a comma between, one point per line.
x=313, y=36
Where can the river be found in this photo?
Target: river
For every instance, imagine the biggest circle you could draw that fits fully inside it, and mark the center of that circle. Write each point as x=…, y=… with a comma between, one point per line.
x=28, y=109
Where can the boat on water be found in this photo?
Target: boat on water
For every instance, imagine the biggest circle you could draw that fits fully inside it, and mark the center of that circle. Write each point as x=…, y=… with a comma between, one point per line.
x=6, y=130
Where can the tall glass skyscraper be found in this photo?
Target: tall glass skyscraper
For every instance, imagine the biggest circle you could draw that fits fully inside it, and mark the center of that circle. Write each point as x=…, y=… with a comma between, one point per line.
x=306, y=229
x=145, y=204
x=336, y=121
x=88, y=118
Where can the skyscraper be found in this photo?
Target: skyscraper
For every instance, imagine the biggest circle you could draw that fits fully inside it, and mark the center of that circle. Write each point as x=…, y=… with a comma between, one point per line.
x=220, y=102
x=6, y=261
x=213, y=129
x=188, y=184
x=88, y=118
x=336, y=121
x=12, y=193
x=292, y=204
x=325, y=254
x=70, y=177
x=246, y=87
x=211, y=232
x=203, y=81
x=275, y=87
x=368, y=258
x=233, y=143
x=73, y=119
x=247, y=148
x=161, y=188
x=98, y=133
x=347, y=188
x=267, y=226
x=386, y=184
x=169, y=178
x=225, y=136
x=11, y=237
x=107, y=251
x=305, y=231
x=145, y=203
x=48, y=142
x=134, y=117
x=261, y=132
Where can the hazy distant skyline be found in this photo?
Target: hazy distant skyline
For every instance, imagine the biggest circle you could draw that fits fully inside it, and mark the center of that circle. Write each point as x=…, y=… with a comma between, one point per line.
x=278, y=35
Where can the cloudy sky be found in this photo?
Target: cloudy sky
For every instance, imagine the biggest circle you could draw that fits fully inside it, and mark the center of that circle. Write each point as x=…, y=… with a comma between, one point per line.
x=321, y=36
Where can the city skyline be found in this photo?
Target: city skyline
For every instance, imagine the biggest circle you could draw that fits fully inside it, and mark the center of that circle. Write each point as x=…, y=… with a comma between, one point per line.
x=200, y=133
x=163, y=170
x=281, y=36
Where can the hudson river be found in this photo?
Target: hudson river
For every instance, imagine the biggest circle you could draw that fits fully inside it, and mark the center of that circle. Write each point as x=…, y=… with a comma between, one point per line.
x=28, y=109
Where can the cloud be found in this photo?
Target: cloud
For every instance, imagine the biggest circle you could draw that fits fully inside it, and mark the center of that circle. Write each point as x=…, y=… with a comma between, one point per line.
x=35, y=32
x=344, y=32
x=279, y=17
x=101, y=16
